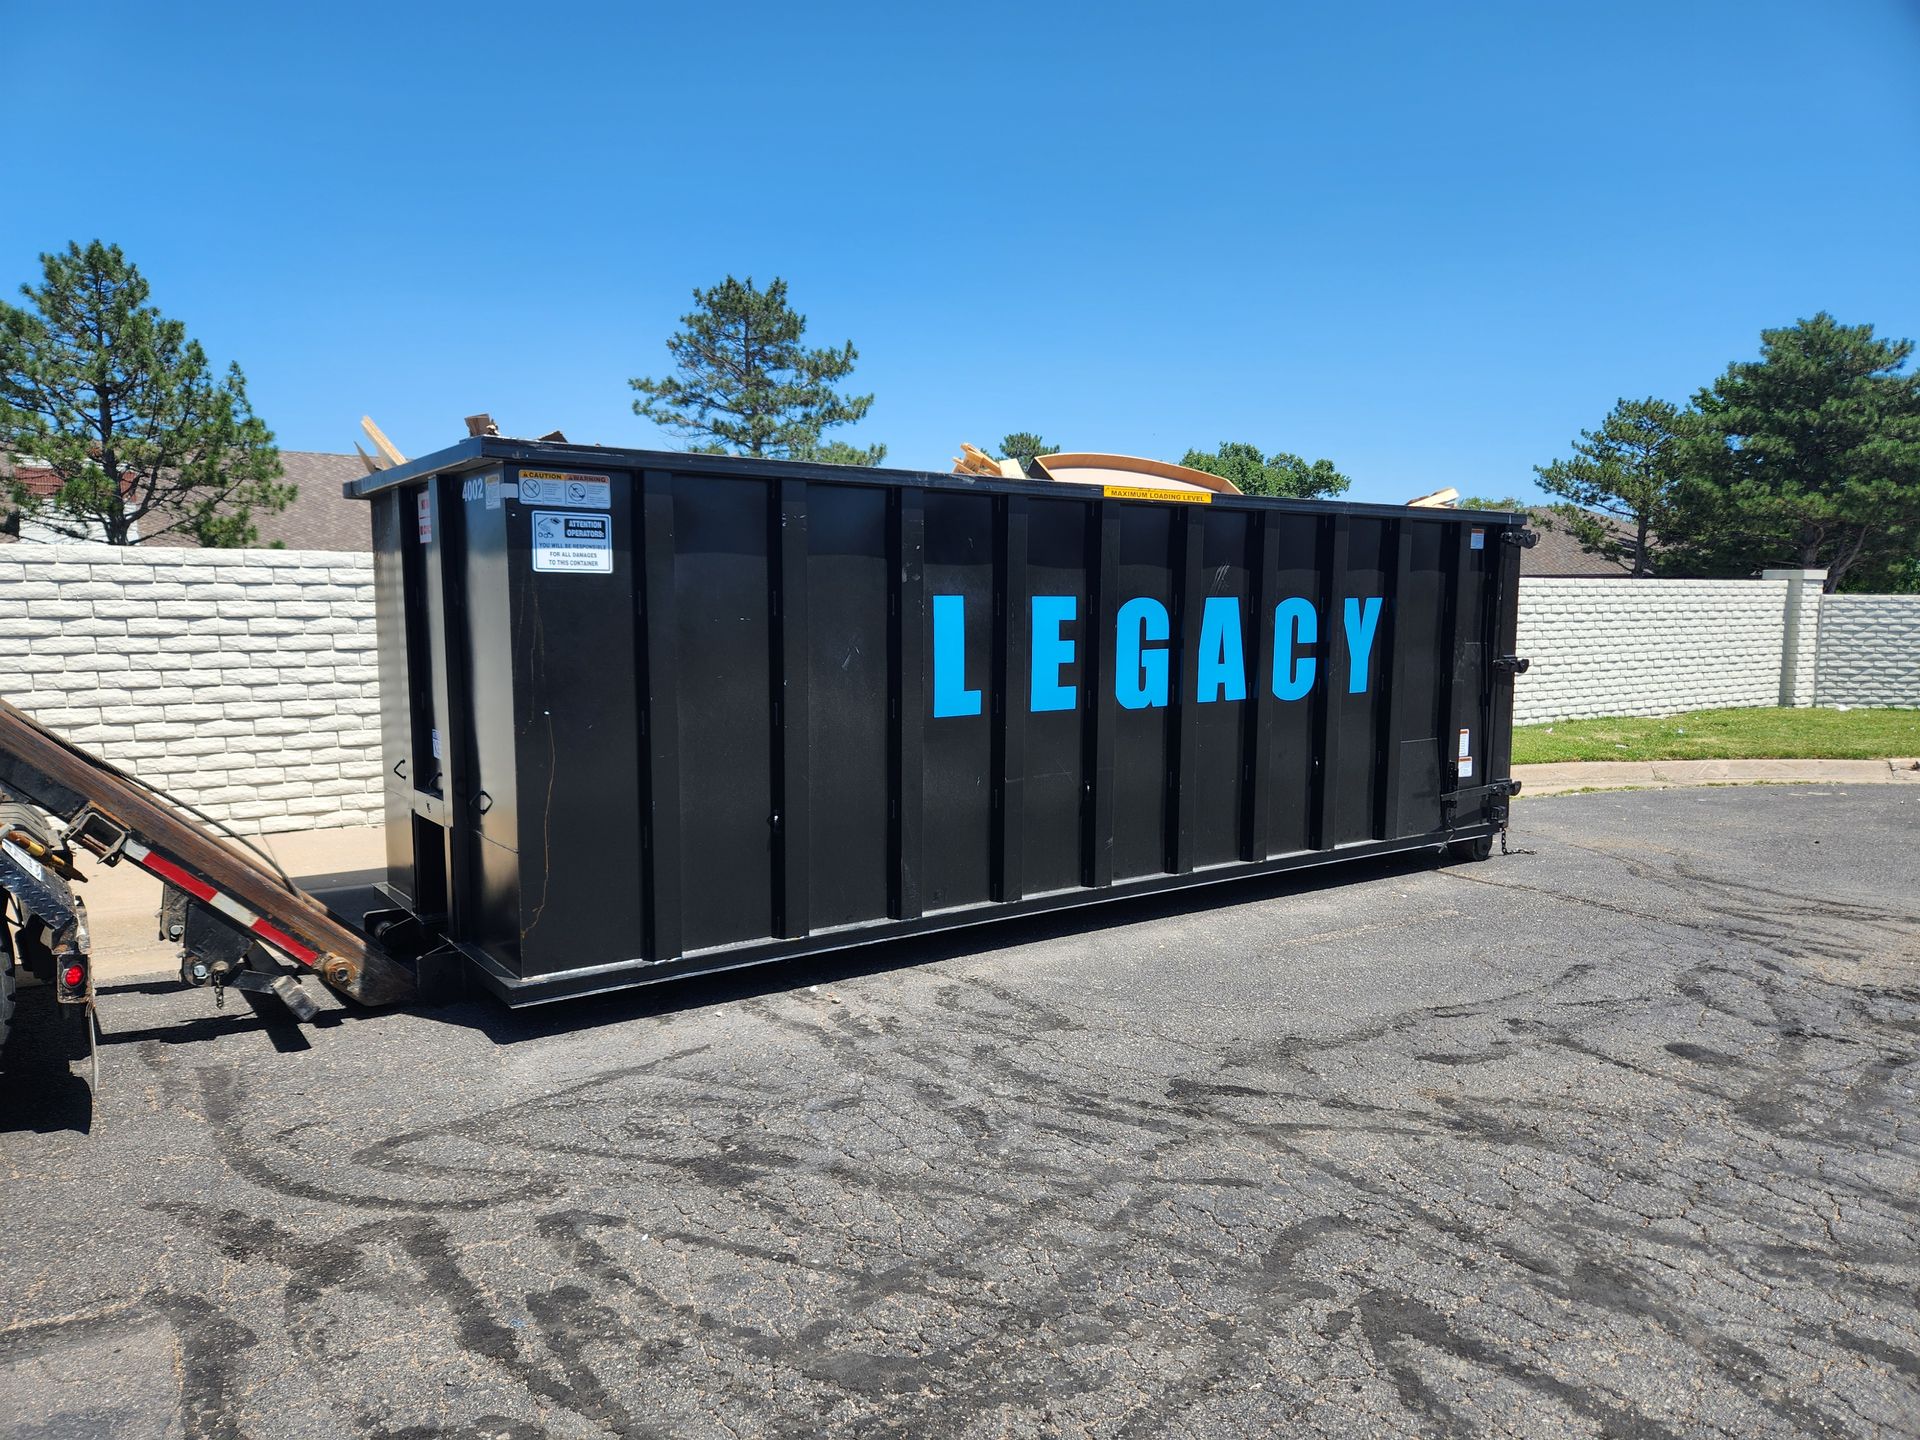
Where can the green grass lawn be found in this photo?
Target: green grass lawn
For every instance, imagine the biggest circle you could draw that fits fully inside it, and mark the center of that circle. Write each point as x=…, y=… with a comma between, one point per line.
x=1726, y=735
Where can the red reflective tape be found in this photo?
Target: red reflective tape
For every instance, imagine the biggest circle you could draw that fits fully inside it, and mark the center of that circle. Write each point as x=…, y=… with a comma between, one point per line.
x=285, y=942
x=200, y=890
x=174, y=875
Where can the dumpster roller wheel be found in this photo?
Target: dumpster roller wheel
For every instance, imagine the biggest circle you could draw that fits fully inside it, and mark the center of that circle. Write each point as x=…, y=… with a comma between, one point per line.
x=1477, y=849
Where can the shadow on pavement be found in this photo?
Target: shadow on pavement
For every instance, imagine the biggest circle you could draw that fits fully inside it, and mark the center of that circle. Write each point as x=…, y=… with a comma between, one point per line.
x=42, y=1089
x=670, y=995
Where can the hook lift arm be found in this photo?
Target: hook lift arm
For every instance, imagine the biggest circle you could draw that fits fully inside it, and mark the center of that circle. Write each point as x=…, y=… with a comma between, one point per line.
x=222, y=903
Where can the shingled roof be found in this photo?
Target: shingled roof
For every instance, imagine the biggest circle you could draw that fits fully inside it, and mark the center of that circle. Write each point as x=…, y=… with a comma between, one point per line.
x=320, y=517
x=1559, y=554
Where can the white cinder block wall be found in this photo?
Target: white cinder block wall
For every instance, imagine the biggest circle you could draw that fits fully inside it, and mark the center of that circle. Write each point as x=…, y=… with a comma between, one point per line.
x=1646, y=647
x=244, y=681
x=241, y=681
x=1869, y=650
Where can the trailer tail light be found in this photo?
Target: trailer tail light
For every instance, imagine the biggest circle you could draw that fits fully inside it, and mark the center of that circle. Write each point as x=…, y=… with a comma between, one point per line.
x=73, y=982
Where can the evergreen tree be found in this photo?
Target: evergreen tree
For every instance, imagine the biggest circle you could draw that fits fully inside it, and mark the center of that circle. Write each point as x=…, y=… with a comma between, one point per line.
x=743, y=381
x=1809, y=456
x=839, y=452
x=1629, y=470
x=143, y=440
x=1026, y=447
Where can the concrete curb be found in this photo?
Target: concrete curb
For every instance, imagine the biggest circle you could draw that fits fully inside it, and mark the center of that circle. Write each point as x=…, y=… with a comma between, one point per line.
x=1557, y=779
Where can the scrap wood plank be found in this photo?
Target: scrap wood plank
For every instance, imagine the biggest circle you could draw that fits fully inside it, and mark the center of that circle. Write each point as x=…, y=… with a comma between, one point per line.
x=384, y=445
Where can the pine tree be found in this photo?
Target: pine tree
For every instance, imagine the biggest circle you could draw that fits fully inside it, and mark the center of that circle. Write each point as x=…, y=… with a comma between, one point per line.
x=99, y=387
x=1629, y=470
x=1026, y=447
x=743, y=382
x=1809, y=455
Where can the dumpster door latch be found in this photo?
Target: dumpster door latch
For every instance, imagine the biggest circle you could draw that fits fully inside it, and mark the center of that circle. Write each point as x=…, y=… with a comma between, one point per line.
x=1512, y=664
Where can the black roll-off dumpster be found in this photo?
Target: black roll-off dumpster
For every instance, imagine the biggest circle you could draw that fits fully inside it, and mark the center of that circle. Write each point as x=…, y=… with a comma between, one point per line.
x=649, y=714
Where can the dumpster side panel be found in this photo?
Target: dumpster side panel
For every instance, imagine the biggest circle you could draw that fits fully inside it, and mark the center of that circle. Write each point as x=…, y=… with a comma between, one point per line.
x=1046, y=789
x=1353, y=686
x=1472, y=696
x=724, y=658
x=1218, y=687
x=577, y=801
x=484, y=736
x=1420, y=647
x=956, y=750
x=1302, y=649
x=390, y=612
x=847, y=694
x=1147, y=666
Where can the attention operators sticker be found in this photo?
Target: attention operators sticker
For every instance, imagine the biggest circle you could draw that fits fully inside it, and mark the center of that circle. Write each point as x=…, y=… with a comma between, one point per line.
x=572, y=544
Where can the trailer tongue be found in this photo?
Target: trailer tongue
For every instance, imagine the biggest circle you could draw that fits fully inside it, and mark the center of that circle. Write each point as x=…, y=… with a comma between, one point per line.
x=241, y=925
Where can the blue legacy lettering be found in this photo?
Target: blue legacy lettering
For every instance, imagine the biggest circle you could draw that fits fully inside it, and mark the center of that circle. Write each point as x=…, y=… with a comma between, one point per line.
x=1223, y=666
x=950, y=693
x=1143, y=631
x=1295, y=623
x=1362, y=620
x=1140, y=674
x=1052, y=652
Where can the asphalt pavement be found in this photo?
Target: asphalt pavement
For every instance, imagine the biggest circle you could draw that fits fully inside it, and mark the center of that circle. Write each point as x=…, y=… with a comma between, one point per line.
x=1612, y=1137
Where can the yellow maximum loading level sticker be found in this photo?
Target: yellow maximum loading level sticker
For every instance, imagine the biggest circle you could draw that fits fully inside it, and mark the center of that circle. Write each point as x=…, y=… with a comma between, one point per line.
x=1149, y=492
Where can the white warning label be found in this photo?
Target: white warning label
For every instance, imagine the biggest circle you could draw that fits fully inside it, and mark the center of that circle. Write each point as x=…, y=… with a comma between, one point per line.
x=575, y=544
x=563, y=487
x=25, y=861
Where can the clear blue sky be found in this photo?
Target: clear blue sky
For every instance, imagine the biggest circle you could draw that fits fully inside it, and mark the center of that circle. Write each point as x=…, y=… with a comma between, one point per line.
x=1430, y=242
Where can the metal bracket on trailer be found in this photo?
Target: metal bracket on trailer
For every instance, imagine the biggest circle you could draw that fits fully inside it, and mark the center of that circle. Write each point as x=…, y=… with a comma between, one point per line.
x=1497, y=791
x=99, y=833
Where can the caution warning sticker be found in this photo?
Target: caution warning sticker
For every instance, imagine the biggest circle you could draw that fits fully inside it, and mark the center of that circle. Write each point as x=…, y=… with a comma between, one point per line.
x=572, y=543
x=565, y=487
